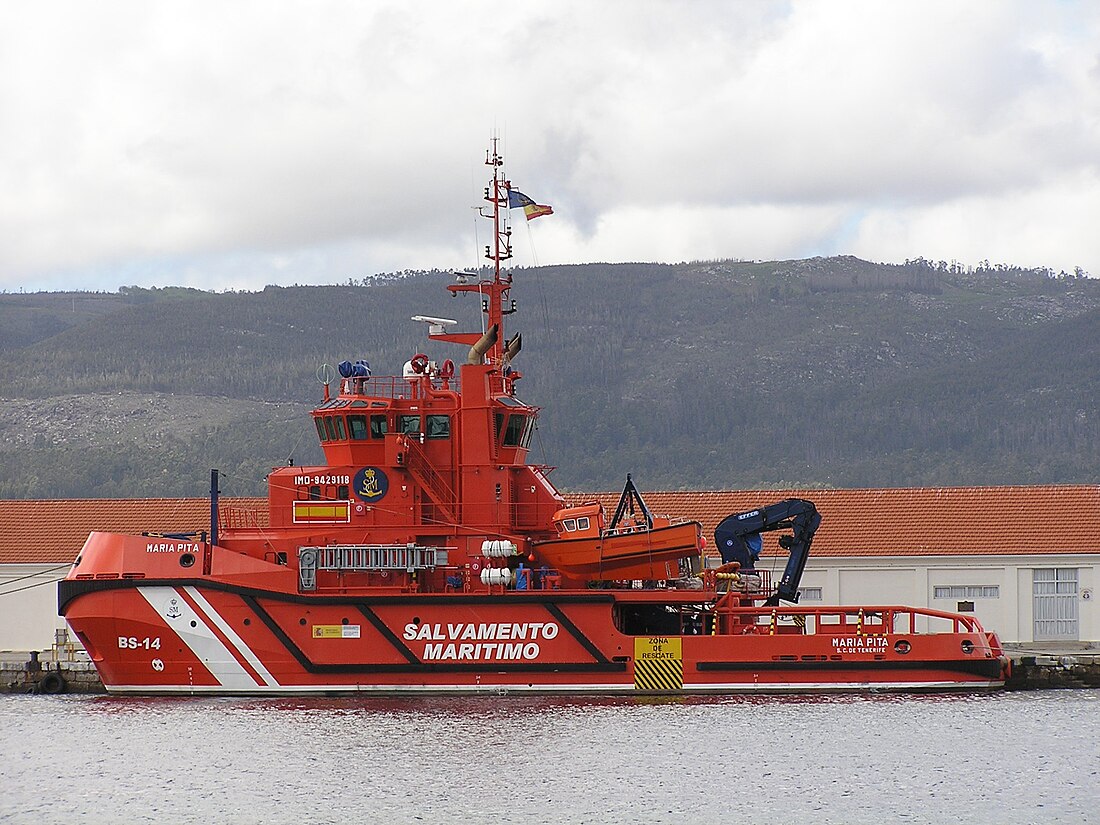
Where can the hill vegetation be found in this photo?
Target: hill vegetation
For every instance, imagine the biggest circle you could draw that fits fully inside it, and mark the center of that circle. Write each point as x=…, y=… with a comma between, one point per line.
x=822, y=372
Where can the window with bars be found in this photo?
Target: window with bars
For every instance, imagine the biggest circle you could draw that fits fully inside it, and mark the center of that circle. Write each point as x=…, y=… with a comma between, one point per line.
x=966, y=591
x=810, y=594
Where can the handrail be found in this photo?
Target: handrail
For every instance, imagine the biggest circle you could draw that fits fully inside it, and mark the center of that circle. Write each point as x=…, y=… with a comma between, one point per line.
x=880, y=618
x=422, y=470
x=641, y=528
x=235, y=517
x=392, y=387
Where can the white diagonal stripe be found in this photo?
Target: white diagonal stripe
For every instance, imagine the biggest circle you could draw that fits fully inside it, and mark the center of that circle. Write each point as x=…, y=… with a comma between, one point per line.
x=197, y=635
x=231, y=634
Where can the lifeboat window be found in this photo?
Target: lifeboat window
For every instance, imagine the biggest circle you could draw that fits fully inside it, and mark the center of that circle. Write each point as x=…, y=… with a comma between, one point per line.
x=570, y=525
x=339, y=422
x=583, y=523
x=439, y=426
x=514, y=435
x=408, y=423
x=320, y=429
x=329, y=431
x=378, y=426
x=358, y=426
x=314, y=493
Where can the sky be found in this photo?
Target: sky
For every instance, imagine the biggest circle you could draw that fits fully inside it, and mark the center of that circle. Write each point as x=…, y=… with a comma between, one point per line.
x=235, y=145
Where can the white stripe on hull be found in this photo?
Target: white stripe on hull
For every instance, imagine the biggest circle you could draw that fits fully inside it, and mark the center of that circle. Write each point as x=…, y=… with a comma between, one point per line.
x=231, y=634
x=200, y=639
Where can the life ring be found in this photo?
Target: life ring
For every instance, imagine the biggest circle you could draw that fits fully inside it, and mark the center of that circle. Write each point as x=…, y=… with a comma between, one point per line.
x=728, y=567
x=53, y=682
x=419, y=362
x=447, y=369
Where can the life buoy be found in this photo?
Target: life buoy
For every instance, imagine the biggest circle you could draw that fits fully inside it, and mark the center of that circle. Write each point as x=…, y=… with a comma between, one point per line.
x=728, y=567
x=53, y=682
x=419, y=362
x=447, y=369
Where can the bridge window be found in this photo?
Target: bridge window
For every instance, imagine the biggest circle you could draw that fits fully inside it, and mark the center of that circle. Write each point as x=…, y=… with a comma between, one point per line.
x=408, y=424
x=328, y=429
x=320, y=429
x=358, y=426
x=378, y=426
x=439, y=426
x=338, y=422
x=516, y=434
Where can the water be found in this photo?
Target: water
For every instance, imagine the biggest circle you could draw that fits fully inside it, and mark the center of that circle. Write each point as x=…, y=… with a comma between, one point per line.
x=1004, y=758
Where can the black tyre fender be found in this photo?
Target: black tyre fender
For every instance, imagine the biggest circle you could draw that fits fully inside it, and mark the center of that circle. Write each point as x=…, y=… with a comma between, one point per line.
x=53, y=682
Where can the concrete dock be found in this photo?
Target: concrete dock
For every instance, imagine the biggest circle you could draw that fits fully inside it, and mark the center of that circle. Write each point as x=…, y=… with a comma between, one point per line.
x=1038, y=665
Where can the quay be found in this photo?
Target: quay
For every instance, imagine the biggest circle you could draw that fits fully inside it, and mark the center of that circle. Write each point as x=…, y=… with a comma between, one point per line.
x=1038, y=665
x=66, y=668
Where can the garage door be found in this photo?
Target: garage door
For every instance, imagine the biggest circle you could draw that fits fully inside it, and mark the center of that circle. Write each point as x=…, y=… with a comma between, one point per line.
x=1054, y=594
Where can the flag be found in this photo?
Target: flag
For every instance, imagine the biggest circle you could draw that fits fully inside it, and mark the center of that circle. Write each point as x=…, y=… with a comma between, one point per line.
x=531, y=209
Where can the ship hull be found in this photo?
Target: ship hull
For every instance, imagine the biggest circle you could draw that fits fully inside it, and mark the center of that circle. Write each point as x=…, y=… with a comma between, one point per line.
x=202, y=636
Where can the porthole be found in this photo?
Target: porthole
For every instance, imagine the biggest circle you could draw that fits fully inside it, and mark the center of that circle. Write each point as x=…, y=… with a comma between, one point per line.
x=187, y=560
x=902, y=646
x=967, y=646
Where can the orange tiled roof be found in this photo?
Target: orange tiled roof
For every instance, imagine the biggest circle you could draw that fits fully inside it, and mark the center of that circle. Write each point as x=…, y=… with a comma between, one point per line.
x=911, y=521
x=52, y=531
x=934, y=521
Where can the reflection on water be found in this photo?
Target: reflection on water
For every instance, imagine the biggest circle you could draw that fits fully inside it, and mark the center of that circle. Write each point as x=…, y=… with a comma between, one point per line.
x=1011, y=757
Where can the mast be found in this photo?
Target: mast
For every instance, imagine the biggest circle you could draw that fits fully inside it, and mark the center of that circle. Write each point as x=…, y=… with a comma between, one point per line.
x=491, y=347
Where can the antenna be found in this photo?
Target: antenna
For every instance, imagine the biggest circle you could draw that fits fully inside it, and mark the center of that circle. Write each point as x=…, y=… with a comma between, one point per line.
x=436, y=326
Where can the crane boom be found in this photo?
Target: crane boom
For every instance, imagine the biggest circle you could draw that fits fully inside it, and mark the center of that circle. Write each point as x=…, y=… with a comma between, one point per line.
x=738, y=539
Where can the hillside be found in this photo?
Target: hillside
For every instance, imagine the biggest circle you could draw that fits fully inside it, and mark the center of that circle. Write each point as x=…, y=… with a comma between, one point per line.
x=823, y=372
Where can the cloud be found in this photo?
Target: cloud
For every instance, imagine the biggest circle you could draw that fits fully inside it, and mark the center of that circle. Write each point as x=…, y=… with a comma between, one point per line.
x=255, y=143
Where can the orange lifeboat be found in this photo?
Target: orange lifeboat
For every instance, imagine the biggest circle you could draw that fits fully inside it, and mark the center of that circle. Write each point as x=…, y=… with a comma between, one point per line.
x=636, y=545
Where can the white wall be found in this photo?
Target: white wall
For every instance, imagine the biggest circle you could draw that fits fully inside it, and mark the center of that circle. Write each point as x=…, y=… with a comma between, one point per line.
x=28, y=607
x=912, y=581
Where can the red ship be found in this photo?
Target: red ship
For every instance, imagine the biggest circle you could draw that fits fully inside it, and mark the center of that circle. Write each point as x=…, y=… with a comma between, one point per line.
x=428, y=555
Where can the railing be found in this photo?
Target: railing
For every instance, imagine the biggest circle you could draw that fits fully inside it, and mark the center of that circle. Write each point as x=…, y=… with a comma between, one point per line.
x=236, y=518
x=392, y=387
x=438, y=488
x=642, y=528
x=730, y=617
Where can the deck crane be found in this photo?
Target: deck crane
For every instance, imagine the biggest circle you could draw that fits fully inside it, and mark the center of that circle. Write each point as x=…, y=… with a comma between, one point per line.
x=738, y=539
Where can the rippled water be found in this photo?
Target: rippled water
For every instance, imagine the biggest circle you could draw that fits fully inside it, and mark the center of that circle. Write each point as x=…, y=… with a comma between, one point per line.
x=1005, y=758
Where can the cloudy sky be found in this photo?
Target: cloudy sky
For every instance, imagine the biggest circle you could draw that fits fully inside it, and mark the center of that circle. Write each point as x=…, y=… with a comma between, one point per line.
x=233, y=145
